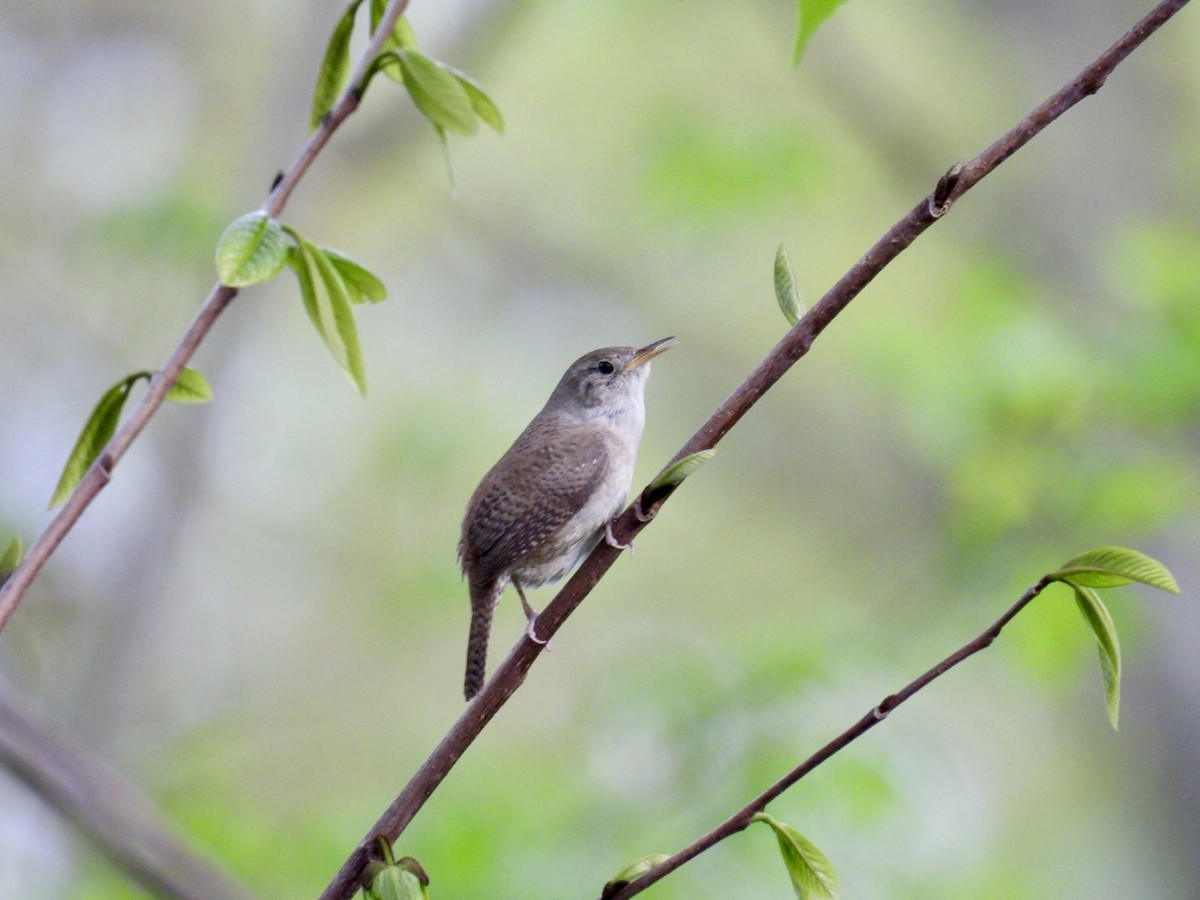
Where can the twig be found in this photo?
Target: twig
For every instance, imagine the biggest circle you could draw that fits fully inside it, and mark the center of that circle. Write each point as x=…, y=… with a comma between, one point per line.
x=511, y=673
x=97, y=477
x=121, y=821
x=743, y=817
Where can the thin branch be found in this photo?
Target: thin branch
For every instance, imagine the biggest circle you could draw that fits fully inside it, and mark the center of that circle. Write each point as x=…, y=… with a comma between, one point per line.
x=98, y=476
x=512, y=672
x=118, y=818
x=743, y=817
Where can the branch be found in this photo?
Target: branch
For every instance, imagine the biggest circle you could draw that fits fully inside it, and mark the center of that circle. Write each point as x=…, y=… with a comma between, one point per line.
x=512, y=672
x=98, y=476
x=122, y=822
x=743, y=817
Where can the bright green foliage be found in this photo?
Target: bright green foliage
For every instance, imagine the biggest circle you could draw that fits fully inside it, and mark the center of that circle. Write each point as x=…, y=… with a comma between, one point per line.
x=809, y=15
x=786, y=291
x=439, y=95
x=451, y=100
x=392, y=879
x=481, y=103
x=10, y=559
x=97, y=432
x=675, y=474
x=190, y=387
x=1102, y=627
x=402, y=36
x=327, y=302
x=251, y=250
x=361, y=285
x=632, y=872
x=396, y=883
x=1107, y=567
x=254, y=248
x=335, y=66
x=812, y=875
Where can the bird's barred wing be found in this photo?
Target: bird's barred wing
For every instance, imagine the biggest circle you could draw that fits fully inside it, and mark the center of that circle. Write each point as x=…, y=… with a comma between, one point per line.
x=533, y=491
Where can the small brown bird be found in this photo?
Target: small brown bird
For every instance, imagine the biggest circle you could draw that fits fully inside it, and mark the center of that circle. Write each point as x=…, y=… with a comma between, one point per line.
x=551, y=498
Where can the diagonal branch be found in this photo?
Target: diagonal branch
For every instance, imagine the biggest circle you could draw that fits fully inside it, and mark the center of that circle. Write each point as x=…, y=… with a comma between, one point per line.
x=744, y=816
x=98, y=476
x=512, y=672
x=120, y=820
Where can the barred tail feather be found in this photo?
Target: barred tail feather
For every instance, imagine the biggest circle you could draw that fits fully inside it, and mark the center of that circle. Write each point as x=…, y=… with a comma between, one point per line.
x=483, y=602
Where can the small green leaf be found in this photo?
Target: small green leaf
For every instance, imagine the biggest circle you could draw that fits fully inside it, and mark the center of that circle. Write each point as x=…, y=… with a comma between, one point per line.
x=675, y=473
x=361, y=285
x=483, y=105
x=809, y=16
x=11, y=559
x=1107, y=567
x=97, y=432
x=786, y=291
x=632, y=872
x=813, y=878
x=439, y=96
x=328, y=308
x=402, y=37
x=190, y=387
x=396, y=883
x=335, y=67
x=1102, y=627
x=251, y=250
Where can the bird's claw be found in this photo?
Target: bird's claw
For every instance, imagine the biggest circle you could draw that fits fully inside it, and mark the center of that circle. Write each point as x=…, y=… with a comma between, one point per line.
x=611, y=539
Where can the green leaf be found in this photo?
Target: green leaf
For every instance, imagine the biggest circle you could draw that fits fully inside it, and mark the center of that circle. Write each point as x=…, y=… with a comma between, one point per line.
x=190, y=387
x=483, y=105
x=439, y=96
x=632, y=872
x=396, y=883
x=1102, y=627
x=361, y=285
x=809, y=16
x=251, y=250
x=786, y=291
x=328, y=308
x=335, y=67
x=812, y=876
x=677, y=472
x=1107, y=567
x=11, y=559
x=401, y=38
x=97, y=432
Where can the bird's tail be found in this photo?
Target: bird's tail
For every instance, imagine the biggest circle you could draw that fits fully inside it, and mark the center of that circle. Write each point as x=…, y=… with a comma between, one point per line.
x=483, y=602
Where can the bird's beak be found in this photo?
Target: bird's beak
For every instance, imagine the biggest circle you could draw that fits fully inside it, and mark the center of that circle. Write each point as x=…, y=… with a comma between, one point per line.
x=648, y=352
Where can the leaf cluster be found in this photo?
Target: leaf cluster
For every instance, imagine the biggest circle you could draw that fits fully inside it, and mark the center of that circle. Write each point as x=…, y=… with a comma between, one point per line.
x=448, y=98
x=190, y=387
x=255, y=248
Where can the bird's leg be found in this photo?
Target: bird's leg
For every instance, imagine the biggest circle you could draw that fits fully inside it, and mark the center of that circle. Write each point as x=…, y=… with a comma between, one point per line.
x=611, y=539
x=530, y=618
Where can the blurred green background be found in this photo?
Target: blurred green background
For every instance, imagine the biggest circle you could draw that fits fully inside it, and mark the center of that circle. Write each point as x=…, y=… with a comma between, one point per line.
x=261, y=622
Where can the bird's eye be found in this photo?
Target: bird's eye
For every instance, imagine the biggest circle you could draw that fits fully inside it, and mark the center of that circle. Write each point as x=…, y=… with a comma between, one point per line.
x=604, y=367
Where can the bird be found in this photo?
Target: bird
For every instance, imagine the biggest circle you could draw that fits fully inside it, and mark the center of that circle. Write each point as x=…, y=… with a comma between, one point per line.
x=551, y=498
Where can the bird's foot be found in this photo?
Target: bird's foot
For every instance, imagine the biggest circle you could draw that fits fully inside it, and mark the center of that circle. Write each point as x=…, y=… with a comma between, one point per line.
x=611, y=539
x=531, y=617
x=640, y=513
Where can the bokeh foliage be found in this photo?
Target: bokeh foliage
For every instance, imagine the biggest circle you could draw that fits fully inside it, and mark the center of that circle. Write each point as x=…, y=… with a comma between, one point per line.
x=262, y=624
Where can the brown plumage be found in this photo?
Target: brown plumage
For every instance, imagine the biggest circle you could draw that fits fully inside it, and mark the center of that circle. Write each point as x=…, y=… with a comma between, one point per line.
x=544, y=506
